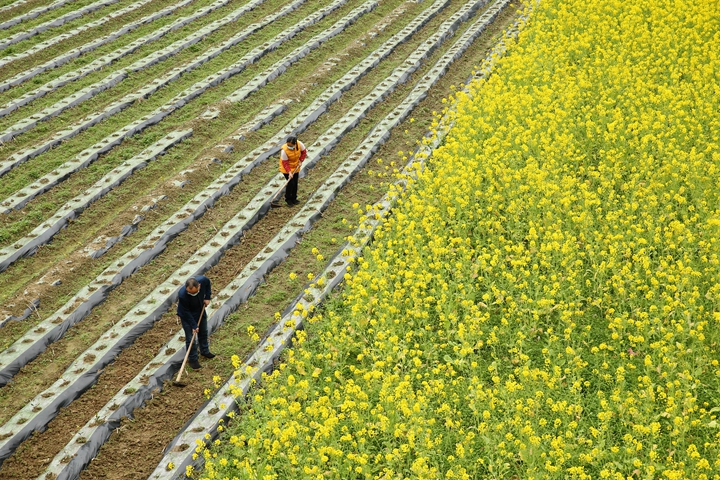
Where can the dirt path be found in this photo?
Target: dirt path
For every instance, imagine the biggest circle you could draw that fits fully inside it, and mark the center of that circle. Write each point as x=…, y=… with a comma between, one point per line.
x=135, y=448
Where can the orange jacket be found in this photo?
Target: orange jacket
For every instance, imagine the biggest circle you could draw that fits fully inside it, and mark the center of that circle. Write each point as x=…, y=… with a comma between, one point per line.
x=291, y=159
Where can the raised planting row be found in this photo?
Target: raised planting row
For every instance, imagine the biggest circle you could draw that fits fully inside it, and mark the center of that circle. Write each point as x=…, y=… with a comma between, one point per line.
x=112, y=79
x=12, y=5
x=71, y=209
x=86, y=157
x=122, y=269
x=35, y=341
x=82, y=160
x=333, y=92
x=204, y=427
x=313, y=148
x=32, y=343
x=79, y=306
x=103, y=61
x=20, y=36
x=88, y=46
x=39, y=411
x=39, y=236
x=31, y=14
x=143, y=63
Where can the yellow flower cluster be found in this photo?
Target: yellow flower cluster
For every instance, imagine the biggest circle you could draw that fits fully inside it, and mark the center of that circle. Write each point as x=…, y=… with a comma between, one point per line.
x=545, y=301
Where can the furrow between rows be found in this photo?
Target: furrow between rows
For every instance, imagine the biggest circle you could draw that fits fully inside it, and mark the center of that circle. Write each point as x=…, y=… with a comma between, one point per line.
x=104, y=60
x=203, y=428
x=18, y=37
x=33, y=13
x=83, y=372
x=111, y=80
x=33, y=343
x=39, y=47
x=12, y=5
x=87, y=156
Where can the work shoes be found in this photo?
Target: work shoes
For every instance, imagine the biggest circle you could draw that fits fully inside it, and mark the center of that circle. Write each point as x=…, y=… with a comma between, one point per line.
x=195, y=365
x=208, y=355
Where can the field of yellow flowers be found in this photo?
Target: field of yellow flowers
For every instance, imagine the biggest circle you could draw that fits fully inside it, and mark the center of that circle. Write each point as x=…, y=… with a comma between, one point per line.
x=544, y=301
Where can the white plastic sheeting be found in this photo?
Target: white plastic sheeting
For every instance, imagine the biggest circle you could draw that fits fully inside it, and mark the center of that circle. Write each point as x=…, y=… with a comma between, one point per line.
x=79, y=376
x=45, y=231
x=113, y=78
x=105, y=59
x=39, y=47
x=32, y=13
x=266, y=354
x=25, y=34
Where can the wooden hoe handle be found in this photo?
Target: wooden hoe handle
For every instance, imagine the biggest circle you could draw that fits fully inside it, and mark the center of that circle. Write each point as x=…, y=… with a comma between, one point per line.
x=187, y=354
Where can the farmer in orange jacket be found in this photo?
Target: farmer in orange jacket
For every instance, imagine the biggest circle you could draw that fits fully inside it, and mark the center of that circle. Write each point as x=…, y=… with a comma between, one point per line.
x=292, y=155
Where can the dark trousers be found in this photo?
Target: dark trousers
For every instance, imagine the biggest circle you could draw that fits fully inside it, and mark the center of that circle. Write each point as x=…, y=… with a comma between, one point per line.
x=188, y=324
x=291, y=189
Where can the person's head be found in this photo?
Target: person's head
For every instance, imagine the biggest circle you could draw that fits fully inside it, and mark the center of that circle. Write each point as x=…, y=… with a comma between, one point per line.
x=291, y=142
x=192, y=286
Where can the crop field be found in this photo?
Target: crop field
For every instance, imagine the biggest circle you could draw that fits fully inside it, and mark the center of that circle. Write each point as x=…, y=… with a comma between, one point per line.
x=543, y=300
x=138, y=147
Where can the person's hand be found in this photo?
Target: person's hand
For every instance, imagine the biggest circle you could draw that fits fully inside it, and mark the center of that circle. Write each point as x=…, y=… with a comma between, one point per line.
x=207, y=302
x=290, y=175
x=197, y=330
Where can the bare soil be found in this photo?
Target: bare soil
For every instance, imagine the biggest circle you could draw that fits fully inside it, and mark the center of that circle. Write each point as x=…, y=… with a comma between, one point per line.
x=136, y=447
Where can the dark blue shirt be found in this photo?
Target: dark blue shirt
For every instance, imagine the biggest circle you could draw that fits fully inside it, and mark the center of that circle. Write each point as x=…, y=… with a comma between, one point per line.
x=187, y=304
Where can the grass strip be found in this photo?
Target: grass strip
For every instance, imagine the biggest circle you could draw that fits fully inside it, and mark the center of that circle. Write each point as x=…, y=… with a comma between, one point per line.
x=39, y=47
x=25, y=34
x=79, y=305
x=31, y=14
x=84, y=158
x=40, y=410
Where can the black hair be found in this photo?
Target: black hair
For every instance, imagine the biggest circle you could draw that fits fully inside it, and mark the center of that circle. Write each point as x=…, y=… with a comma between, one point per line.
x=191, y=283
x=292, y=140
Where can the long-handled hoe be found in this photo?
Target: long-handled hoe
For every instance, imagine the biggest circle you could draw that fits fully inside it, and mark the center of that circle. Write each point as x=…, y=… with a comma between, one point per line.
x=177, y=381
x=273, y=202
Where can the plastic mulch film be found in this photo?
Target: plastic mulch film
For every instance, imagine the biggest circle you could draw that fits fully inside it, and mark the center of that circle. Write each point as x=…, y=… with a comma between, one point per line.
x=25, y=34
x=104, y=60
x=136, y=392
x=89, y=155
x=21, y=352
x=45, y=231
x=81, y=373
x=179, y=453
x=80, y=376
x=12, y=5
x=32, y=13
x=78, y=30
x=33, y=343
x=76, y=308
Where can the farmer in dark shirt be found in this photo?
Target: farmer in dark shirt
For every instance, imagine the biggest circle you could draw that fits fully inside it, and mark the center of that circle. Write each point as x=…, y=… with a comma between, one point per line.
x=191, y=299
